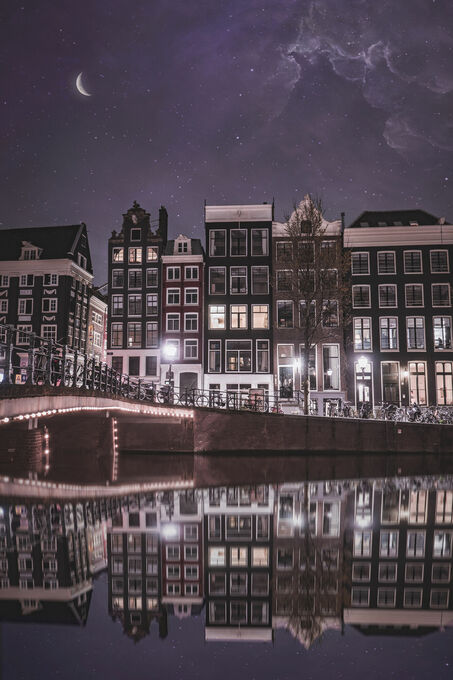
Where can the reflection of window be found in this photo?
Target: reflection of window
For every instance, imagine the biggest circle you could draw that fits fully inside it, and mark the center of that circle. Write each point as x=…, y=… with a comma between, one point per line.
x=362, y=543
x=361, y=571
x=260, y=557
x=444, y=507
x=216, y=557
x=360, y=597
x=331, y=519
x=413, y=573
x=217, y=612
x=217, y=583
x=386, y=597
x=415, y=544
x=388, y=544
x=216, y=317
x=238, y=557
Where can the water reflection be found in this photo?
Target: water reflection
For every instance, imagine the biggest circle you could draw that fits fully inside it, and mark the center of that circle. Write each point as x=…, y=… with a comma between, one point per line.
x=305, y=557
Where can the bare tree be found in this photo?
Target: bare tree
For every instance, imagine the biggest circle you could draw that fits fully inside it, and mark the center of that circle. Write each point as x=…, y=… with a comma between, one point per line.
x=314, y=280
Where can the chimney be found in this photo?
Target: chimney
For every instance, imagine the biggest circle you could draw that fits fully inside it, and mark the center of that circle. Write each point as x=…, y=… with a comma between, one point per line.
x=342, y=222
x=163, y=223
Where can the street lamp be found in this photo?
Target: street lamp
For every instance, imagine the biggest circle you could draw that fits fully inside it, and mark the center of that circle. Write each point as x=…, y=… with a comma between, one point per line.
x=405, y=386
x=362, y=363
x=170, y=351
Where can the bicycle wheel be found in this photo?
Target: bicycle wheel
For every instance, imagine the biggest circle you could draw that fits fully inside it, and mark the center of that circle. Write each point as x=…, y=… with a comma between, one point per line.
x=202, y=400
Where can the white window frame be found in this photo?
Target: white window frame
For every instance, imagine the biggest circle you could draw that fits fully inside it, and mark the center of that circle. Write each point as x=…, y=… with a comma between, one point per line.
x=395, y=349
x=388, y=285
x=193, y=342
x=441, y=283
x=173, y=291
x=176, y=316
x=439, y=250
x=152, y=251
x=261, y=350
x=192, y=314
x=362, y=285
x=238, y=372
x=416, y=349
x=246, y=241
x=252, y=325
x=386, y=252
x=191, y=291
x=4, y=306
x=211, y=231
x=443, y=316
x=191, y=268
x=360, y=252
x=176, y=271
x=53, y=305
x=239, y=328
x=119, y=250
x=406, y=286
x=138, y=252
x=421, y=262
x=53, y=326
x=362, y=318
x=212, y=328
x=129, y=271
x=239, y=266
x=24, y=301
x=251, y=278
x=224, y=278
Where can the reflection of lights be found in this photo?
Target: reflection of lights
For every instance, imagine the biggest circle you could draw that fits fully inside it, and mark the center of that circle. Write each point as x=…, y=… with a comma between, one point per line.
x=363, y=521
x=169, y=531
x=139, y=409
x=362, y=363
x=329, y=371
x=2, y=512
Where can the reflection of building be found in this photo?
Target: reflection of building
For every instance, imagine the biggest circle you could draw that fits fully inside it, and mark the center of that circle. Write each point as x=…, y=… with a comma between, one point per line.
x=134, y=305
x=308, y=558
x=326, y=360
x=401, y=544
x=48, y=554
x=45, y=274
x=182, y=552
x=134, y=566
x=182, y=312
x=401, y=349
x=238, y=548
x=238, y=323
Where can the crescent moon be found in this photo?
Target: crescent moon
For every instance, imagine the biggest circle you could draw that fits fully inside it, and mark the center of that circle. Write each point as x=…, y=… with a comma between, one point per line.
x=79, y=86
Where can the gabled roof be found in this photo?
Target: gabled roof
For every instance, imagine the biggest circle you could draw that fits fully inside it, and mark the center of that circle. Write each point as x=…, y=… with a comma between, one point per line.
x=393, y=218
x=197, y=248
x=56, y=242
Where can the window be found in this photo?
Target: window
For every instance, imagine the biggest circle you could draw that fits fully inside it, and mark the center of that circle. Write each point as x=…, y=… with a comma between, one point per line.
x=331, y=367
x=418, y=507
x=117, y=254
x=151, y=304
x=414, y=294
x=238, y=356
x=262, y=356
x=386, y=263
x=440, y=573
x=260, y=316
x=27, y=280
x=388, y=544
x=238, y=557
x=173, y=273
x=172, y=322
x=216, y=556
x=150, y=365
x=217, y=280
x=413, y=573
x=214, y=356
x=360, y=296
x=216, y=317
x=417, y=382
x=439, y=261
x=441, y=294
x=173, y=552
x=444, y=383
x=152, y=253
x=361, y=571
x=284, y=250
x=25, y=306
x=183, y=247
x=238, y=280
x=117, y=278
x=362, y=334
x=329, y=313
x=387, y=295
x=49, y=305
x=415, y=544
x=191, y=273
x=386, y=597
x=260, y=241
x=360, y=597
x=151, y=278
x=117, y=305
x=190, y=349
x=136, y=234
x=134, y=369
x=190, y=552
x=412, y=262
x=238, y=242
x=415, y=326
x=117, y=334
x=134, y=306
x=134, y=334
x=360, y=263
x=151, y=334
x=260, y=280
x=439, y=599
x=444, y=507
x=191, y=296
x=442, y=332
x=284, y=280
x=285, y=316
x=173, y=296
x=4, y=279
x=214, y=525
x=238, y=316
x=135, y=278
x=217, y=243
x=190, y=532
x=260, y=557
x=135, y=255
x=49, y=332
x=191, y=321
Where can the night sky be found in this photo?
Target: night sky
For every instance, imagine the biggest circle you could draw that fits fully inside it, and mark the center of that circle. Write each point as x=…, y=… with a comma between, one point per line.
x=228, y=101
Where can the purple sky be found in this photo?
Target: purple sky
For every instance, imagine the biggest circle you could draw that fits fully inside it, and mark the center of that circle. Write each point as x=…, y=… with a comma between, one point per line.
x=231, y=101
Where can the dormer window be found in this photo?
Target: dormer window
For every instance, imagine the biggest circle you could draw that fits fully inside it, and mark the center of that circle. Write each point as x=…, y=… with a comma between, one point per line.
x=29, y=251
x=81, y=260
x=183, y=247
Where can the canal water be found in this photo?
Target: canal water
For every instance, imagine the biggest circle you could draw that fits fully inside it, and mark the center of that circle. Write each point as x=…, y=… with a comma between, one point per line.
x=239, y=566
